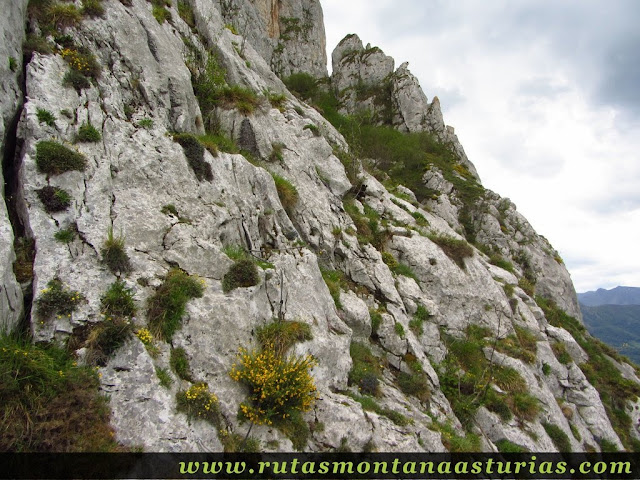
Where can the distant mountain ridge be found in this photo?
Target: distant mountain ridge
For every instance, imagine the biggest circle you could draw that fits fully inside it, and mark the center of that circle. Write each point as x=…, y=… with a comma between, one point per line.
x=616, y=325
x=615, y=296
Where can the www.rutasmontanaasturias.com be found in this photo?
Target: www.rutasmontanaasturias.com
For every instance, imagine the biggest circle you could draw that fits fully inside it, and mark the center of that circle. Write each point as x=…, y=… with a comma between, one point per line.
x=488, y=466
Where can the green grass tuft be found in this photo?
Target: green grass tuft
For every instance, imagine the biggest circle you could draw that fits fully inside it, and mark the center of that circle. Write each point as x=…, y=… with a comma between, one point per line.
x=166, y=307
x=54, y=158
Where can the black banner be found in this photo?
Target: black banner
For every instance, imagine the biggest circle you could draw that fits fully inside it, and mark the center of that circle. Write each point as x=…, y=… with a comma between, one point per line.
x=318, y=466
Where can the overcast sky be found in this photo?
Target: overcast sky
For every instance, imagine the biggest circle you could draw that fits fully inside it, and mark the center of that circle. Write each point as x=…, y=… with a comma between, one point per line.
x=545, y=98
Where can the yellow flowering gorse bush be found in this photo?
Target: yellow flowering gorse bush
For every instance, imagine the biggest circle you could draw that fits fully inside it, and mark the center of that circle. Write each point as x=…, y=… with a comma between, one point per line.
x=199, y=402
x=57, y=299
x=145, y=336
x=279, y=385
x=81, y=61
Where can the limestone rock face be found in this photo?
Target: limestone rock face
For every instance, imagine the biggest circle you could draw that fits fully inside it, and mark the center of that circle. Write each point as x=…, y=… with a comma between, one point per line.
x=12, y=34
x=384, y=278
x=288, y=34
x=365, y=83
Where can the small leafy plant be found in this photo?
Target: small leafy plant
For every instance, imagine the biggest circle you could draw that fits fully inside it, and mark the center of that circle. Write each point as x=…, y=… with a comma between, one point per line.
x=54, y=158
x=287, y=192
x=46, y=117
x=199, y=403
x=118, y=301
x=179, y=363
x=58, y=300
x=243, y=273
x=107, y=337
x=54, y=199
x=166, y=306
x=194, y=151
x=114, y=255
x=65, y=235
x=88, y=133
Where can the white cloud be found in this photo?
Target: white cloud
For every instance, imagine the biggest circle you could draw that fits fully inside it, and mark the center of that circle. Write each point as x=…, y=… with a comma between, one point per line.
x=530, y=110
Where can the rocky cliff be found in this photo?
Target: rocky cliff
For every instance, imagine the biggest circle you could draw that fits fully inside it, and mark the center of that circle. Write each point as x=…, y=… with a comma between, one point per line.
x=179, y=176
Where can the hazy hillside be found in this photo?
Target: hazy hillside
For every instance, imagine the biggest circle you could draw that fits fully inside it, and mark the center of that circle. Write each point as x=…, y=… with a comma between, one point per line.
x=617, y=325
x=615, y=296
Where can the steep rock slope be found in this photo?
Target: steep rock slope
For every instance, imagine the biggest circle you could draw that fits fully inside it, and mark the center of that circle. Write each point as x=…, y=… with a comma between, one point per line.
x=12, y=33
x=288, y=34
x=422, y=340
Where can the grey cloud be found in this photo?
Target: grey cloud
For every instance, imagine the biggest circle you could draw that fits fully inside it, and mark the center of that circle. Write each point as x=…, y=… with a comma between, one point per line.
x=597, y=42
x=542, y=87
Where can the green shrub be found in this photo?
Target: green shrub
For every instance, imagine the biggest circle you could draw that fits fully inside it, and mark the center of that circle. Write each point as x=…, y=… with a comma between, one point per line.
x=25, y=249
x=53, y=158
x=507, y=446
x=88, y=133
x=65, y=235
x=179, y=363
x=186, y=13
x=242, y=274
x=63, y=15
x=166, y=306
x=106, y=337
x=118, y=301
x=399, y=329
x=276, y=152
x=160, y=13
x=313, y=129
x=207, y=81
x=527, y=286
x=36, y=43
x=499, y=261
x=54, y=199
x=497, y=404
x=194, y=151
x=389, y=260
x=558, y=437
x=367, y=224
x=239, y=97
x=456, y=250
x=416, y=324
x=234, y=442
x=335, y=281
x=509, y=379
x=164, y=377
x=114, y=255
x=415, y=384
x=92, y=8
x=561, y=353
x=279, y=386
x=376, y=321
x=281, y=335
x=213, y=143
x=45, y=116
x=198, y=403
x=523, y=345
x=169, y=209
x=58, y=300
x=277, y=100
x=404, y=270
x=82, y=61
x=75, y=80
x=287, y=192
x=48, y=404
x=13, y=64
x=303, y=85
x=607, y=446
x=146, y=123
x=524, y=405
x=369, y=404
x=365, y=370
